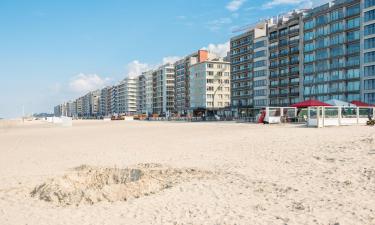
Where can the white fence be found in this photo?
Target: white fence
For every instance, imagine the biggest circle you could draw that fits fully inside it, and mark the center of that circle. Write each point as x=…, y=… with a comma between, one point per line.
x=324, y=116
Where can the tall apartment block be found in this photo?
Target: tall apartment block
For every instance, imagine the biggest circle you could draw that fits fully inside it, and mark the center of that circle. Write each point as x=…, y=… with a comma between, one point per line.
x=182, y=92
x=332, y=51
x=141, y=94
x=368, y=54
x=249, y=62
x=163, y=89
x=127, y=96
x=209, y=84
x=148, y=92
x=105, y=101
x=285, y=54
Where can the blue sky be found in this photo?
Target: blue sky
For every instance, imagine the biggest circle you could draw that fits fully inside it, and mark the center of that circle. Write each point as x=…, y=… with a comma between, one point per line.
x=53, y=51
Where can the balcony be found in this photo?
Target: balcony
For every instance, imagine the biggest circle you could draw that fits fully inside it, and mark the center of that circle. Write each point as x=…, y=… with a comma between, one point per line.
x=292, y=73
x=294, y=31
x=273, y=66
x=283, y=84
x=293, y=62
x=293, y=42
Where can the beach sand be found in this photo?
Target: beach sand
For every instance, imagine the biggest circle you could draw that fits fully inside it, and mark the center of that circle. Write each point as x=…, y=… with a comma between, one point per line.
x=185, y=173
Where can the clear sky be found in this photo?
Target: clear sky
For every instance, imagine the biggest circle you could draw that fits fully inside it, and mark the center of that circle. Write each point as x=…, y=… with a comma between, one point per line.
x=53, y=51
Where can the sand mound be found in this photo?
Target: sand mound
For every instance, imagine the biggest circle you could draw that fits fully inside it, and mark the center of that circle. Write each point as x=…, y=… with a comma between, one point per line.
x=89, y=185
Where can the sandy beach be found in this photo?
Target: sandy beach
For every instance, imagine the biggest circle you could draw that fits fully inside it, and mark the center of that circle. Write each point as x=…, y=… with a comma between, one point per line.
x=134, y=172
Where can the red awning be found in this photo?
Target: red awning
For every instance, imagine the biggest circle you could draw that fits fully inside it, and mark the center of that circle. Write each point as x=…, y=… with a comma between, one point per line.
x=308, y=103
x=361, y=104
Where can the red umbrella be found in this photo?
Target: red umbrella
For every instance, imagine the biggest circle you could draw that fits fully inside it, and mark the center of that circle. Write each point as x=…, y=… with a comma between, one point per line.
x=361, y=104
x=309, y=103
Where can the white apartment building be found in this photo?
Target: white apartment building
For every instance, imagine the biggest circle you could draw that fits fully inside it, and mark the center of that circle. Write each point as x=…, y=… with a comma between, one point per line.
x=209, y=84
x=163, y=89
x=127, y=96
x=148, y=92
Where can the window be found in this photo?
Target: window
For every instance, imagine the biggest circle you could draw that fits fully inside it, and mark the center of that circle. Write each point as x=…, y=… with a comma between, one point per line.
x=369, y=43
x=352, y=35
x=369, y=71
x=322, y=31
x=370, y=15
x=259, y=44
x=309, y=57
x=353, y=86
x=321, y=54
x=309, y=47
x=369, y=3
x=320, y=20
x=259, y=54
x=309, y=24
x=337, y=51
x=337, y=39
x=335, y=27
x=337, y=14
x=370, y=29
x=353, y=48
x=369, y=84
x=369, y=57
x=322, y=43
x=259, y=63
x=353, y=73
x=309, y=36
x=353, y=23
x=259, y=73
x=370, y=98
x=352, y=10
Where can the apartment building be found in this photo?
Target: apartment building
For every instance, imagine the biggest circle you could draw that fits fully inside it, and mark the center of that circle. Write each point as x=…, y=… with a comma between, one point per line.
x=105, y=101
x=127, y=96
x=368, y=53
x=209, y=85
x=332, y=51
x=163, y=84
x=141, y=94
x=285, y=54
x=248, y=67
x=182, y=90
x=148, y=92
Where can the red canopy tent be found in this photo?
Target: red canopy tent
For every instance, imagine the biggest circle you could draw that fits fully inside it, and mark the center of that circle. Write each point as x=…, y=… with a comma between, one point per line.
x=309, y=103
x=361, y=104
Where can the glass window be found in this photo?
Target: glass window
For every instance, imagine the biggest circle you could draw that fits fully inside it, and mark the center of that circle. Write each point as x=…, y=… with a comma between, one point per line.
x=369, y=3
x=309, y=36
x=369, y=57
x=370, y=29
x=309, y=24
x=353, y=23
x=352, y=35
x=369, y=71
x=338, y=26
x=370, y=15
x=309, y=47
x=353, y=48
x=337, y=14
x=352, y=10
x=309, y=57
x=369, y=84
x=369, y=43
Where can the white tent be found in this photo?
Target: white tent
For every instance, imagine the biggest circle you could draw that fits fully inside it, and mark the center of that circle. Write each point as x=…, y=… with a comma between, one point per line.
x=335, y=102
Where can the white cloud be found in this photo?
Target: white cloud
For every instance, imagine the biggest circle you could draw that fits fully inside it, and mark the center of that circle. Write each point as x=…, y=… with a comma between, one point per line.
x=235, y=5
x=136, y=68
x=83, y=83
x=171, y=59
x=218, y=49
